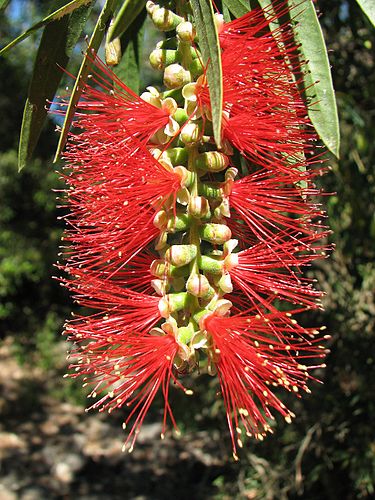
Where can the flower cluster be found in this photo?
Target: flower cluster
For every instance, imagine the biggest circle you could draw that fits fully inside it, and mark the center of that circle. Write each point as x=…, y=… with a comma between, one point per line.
x=187, y=254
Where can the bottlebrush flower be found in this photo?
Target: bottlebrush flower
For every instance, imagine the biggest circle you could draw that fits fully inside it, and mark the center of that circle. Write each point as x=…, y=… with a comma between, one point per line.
x=188, y=256
x=252, y=355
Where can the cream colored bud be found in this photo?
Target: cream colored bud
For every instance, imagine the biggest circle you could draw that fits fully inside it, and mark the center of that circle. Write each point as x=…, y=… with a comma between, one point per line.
x=175, y=76
x=215, y=233
x=199, y=286
x=180, y=255
x=185, y=31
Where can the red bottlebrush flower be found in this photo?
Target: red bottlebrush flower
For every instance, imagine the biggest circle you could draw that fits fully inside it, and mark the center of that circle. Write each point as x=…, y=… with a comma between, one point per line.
x=113, y=205
x=252, y=354
x=263, y=271
x=264, y=116
x=155, y=217
x=112, y=112
x=129, y=371
x=270, y=204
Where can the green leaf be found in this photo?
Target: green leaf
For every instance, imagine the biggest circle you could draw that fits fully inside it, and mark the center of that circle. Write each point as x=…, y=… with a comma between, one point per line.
x=55, y=16
x=368, y=7
x=84, y=70
x=4, y=4
x=128, y=70
x=56, y=45
x=238, y=7
x=318, y=79
x=270, y=11
x=125, y=17
x=211, y=53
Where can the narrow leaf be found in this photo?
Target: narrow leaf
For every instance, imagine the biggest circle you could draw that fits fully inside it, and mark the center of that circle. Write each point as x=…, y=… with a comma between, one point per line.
x=323, y=113
x=210, y=47
x=128, y=70
x=270, y=12
x=4, y=4
x=93, y=46
x=56, y=15
x=125, y=17
x=238, y=7
x=368, y=7
x=57, y=43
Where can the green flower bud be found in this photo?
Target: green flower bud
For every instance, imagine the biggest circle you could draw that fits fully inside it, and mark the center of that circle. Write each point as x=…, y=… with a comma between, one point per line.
x=199, y=286
x=160, y=58
x=213, y=161
x=165, y=19
x=178, y=223
x=215, y=233
x=180, y=255
x=173, y=302
x=210, y=265
x=175, y=76
x=177, y=156
x=186, y=31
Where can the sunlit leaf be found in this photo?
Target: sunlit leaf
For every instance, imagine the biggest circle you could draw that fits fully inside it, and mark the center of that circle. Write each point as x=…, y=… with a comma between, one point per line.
x=318, y=79
x=56, y=15
x=127, y=14
x=84, y=70
x=237, y=7
x=368, y=7
x=128, y=70
x=4, y=4
x=209, y=45
x=57, y=43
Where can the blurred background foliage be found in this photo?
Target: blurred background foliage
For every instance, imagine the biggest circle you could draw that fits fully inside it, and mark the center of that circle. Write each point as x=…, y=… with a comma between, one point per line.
x=329, y=450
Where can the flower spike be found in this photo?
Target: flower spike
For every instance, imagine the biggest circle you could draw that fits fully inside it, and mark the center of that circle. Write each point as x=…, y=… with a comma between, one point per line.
x=187, y=256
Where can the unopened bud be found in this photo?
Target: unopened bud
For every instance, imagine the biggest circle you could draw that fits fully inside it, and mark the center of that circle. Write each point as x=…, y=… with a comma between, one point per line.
x=160, y=58
x=185, y=31
x=161, y=268
x=199, y=286
x=172, y=302
x=219, y=21
x=213, y=161
x=176, y=156
x=175, y=76
x=151, y=6
x=165, y=19
x=178, y=223
x=180, y=255
x=113, y=52
x=210, y=265
x=215, y=233
x=198, y=207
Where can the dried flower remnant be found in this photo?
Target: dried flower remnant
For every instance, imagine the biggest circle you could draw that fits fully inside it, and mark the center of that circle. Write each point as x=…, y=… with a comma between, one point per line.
x=187, y=254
